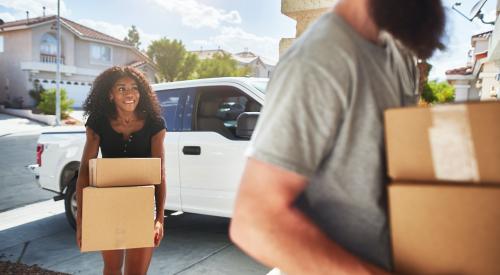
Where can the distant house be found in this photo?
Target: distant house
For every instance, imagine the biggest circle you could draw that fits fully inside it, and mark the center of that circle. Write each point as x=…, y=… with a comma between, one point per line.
x=475, y=80
x=28, y=50
x=259, y=66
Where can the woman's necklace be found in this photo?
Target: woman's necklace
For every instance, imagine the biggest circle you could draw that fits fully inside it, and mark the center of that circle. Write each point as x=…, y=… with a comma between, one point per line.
x=127, y=121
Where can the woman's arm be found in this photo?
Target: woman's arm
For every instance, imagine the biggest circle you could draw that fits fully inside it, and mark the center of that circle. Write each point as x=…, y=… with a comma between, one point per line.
x=90, y=151
x=157, y=151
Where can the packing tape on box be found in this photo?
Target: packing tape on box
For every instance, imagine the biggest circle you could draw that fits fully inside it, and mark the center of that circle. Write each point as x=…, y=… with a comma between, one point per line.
x=452, y=148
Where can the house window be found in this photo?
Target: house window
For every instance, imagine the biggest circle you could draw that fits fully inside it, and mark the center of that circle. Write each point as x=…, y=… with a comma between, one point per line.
x=48, y=45
x=1, y=43
x=100, y=54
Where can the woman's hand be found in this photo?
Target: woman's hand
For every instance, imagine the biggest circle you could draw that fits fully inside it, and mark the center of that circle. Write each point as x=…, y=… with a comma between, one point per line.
x=158, y=232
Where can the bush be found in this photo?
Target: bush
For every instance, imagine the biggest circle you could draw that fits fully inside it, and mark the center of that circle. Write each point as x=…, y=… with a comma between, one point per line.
x=438, y=92
x=48, y=103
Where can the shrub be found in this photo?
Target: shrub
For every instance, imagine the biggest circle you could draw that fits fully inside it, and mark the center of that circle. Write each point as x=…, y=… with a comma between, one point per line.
x=438, y=92
x=48, y=103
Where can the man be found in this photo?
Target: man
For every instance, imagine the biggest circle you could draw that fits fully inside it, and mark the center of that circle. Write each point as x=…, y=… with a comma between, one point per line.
x=312, y=199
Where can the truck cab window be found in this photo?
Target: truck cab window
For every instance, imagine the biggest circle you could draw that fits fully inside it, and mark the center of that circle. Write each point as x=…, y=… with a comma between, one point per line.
x=219, y=107
x=172, y=104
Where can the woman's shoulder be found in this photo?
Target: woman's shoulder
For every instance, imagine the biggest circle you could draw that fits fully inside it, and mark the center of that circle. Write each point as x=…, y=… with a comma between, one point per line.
x=96, y=123
x=156, y=124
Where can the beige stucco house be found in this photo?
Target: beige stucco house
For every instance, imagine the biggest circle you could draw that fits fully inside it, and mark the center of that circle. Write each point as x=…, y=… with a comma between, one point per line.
x=470, y=81
x=28, y=50
x=480, y=78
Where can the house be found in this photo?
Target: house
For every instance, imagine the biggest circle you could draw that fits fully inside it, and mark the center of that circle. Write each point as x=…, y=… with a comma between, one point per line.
x=478, y=80
x=28, y=54
x=259, y=66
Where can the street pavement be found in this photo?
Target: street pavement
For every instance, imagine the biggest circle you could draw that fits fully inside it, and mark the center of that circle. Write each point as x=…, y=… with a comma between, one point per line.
x=18, y=137
x=34, y=230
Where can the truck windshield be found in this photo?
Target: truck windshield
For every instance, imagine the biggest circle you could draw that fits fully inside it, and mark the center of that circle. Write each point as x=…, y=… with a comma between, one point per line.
x=260, y=85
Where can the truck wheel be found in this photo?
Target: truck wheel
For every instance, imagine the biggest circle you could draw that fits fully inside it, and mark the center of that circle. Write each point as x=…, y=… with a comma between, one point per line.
x=70, y=204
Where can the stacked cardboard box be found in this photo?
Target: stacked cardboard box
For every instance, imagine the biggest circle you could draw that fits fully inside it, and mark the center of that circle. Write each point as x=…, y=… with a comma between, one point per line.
x=444, y=199
x=118, y=206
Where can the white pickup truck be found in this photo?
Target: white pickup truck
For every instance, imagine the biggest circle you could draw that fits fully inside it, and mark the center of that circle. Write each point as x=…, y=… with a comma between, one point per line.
x=209, y=123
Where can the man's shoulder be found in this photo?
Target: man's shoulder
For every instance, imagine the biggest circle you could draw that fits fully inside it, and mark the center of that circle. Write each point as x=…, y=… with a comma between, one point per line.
x=325, y=43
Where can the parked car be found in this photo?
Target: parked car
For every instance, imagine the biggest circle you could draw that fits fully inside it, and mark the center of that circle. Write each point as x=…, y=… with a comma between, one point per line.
x=209, y=124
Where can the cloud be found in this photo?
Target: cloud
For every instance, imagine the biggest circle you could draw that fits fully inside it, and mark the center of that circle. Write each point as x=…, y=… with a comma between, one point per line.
x=455, y=56
x=119, y=31
x=234, y=39
x=7, y=17
x=35, y=7
x=198, y=15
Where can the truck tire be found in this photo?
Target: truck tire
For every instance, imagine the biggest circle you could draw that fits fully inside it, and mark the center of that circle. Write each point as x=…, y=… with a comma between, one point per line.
x=70, y=205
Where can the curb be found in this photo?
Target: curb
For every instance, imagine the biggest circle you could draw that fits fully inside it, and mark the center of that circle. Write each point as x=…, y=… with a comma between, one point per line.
x=46, y=119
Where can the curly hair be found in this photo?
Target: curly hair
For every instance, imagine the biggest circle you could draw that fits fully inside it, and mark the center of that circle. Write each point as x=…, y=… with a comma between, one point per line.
x=98, y=103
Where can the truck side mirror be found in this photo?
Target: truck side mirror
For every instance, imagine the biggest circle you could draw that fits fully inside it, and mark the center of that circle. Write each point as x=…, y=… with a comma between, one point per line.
x=245, y=124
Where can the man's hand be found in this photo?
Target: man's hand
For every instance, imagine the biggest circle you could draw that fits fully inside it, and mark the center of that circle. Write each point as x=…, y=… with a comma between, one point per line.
x=158, y=232
x=79, y=236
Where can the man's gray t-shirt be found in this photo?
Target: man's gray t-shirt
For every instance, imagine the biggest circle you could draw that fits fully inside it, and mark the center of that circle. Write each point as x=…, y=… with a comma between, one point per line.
x=323, y=119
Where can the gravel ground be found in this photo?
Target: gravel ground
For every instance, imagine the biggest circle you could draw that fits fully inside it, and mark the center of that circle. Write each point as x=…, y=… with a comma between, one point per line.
x=8, y=268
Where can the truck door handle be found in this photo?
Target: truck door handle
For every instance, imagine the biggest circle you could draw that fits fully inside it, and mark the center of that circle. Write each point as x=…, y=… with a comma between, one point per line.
x=191, y=150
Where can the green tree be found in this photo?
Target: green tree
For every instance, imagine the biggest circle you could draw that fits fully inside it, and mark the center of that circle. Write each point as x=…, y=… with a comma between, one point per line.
x=438, y=92
x=48, y=103
x=221, y=65
x=133, y=37
x=172, y=59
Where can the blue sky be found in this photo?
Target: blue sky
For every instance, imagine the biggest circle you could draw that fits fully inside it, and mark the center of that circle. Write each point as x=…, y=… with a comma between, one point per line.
x=231, y=24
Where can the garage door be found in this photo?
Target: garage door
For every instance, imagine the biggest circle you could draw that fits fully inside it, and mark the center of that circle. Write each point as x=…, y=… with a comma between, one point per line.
x=77, y=91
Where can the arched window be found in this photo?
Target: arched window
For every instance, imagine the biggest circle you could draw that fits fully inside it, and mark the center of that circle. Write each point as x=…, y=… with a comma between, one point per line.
x=48, y=45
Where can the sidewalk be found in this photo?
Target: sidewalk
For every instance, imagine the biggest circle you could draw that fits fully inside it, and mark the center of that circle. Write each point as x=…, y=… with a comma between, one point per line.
x=15, y=125
x=10, y=125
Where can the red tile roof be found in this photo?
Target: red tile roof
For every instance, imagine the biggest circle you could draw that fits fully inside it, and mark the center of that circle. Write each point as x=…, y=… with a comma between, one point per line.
x=483, y=34
x=81, y=30
x=460, y=71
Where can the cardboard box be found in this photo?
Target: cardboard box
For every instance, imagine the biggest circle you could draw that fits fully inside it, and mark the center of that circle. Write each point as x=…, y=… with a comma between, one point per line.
x=112, y=172
x=459, y=142
x=117, y=218
x=445, y=229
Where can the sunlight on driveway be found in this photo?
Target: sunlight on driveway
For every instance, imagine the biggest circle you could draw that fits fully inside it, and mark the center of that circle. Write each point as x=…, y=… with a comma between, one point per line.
x=30, y=213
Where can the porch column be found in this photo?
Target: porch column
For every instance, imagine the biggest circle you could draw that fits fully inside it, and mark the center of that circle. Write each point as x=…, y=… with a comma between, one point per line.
x=304, y=12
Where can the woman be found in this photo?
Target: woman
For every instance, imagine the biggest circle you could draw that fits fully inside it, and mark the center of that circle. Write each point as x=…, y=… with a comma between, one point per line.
x=124, y=121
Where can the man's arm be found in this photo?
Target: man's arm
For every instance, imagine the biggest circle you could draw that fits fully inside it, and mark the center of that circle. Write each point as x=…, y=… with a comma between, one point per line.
x=270, y=229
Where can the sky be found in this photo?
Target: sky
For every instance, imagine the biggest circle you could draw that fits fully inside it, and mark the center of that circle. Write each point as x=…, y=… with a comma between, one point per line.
x=232, y=25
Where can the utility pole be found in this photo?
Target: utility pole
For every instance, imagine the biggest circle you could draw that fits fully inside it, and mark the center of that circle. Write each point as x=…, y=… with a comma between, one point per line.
x=58, y=68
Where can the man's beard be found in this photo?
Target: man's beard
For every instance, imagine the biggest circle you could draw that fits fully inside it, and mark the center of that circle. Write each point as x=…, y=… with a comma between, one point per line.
x=418, y=24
